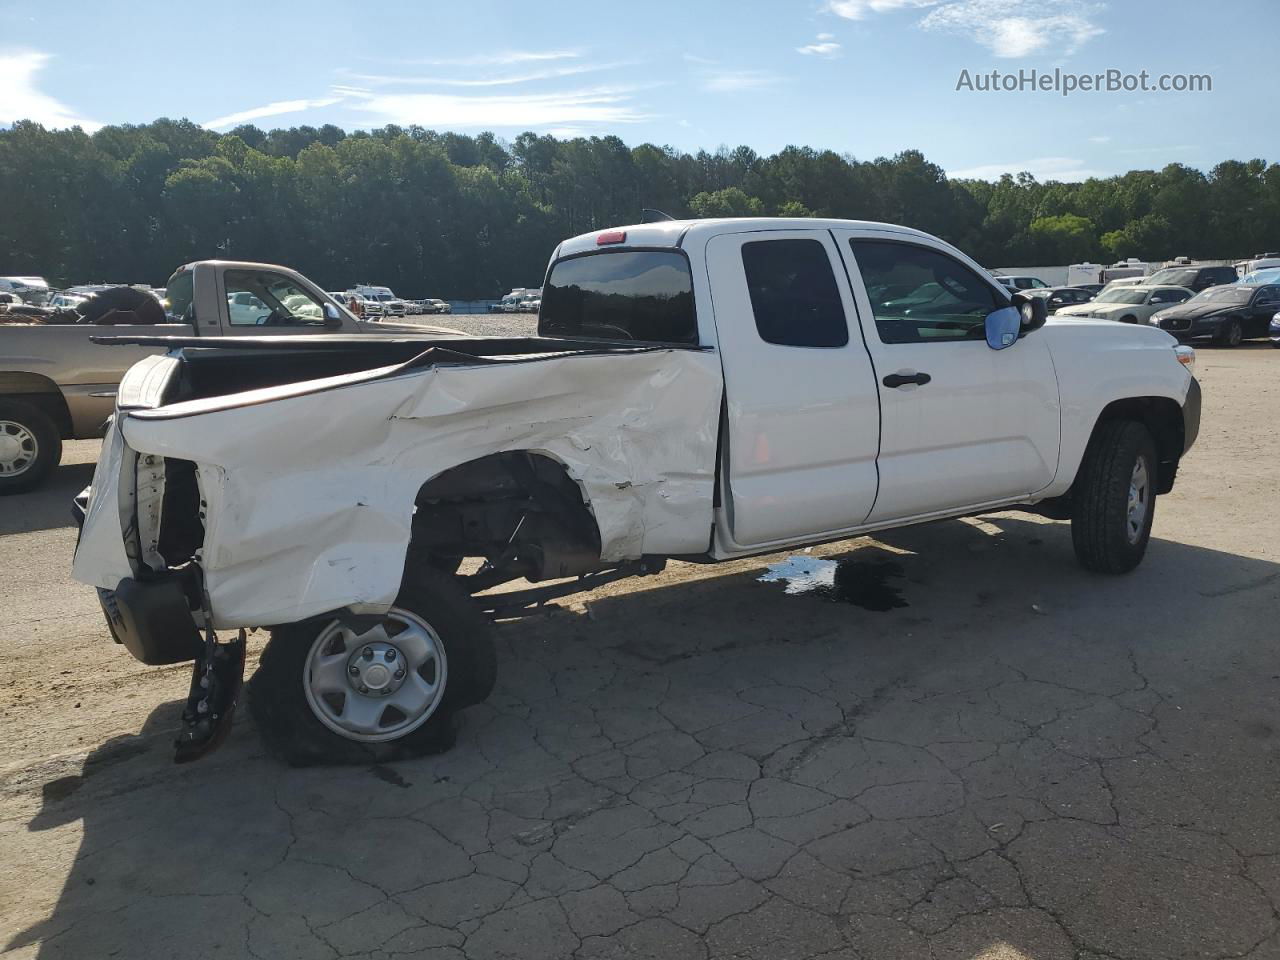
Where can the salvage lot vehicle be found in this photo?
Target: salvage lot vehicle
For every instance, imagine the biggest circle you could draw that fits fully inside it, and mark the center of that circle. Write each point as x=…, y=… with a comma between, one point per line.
x=56, y=385
x=1193, y=278
x=330, y=488
x=1056, y=298
x=1133, y=304
x=1229, y=314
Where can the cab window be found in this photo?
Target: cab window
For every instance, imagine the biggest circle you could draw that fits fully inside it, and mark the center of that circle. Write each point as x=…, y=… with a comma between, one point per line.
x=258, y=298
x=922, y=295
x=793, y=293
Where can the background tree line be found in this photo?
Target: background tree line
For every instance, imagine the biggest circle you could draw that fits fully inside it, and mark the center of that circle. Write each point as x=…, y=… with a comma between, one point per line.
x=442, y=214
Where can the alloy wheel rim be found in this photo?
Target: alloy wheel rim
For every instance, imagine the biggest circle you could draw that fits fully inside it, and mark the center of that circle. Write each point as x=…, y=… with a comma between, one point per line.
x=378, y=684
x=19, y=448
x=1139, y=501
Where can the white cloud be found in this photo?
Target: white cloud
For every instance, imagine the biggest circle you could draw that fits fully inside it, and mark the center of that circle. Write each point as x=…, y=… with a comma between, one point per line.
x=735, y=81
x=1019, y=28
x=275, y=109
x=824, y=46
x=569, y=108
x=858, y=9
x=20, y=100
x=504, y=58
x=504, y=80
x=1067, y=169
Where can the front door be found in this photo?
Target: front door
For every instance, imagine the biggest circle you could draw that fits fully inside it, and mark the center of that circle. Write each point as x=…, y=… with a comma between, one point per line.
x=802, y=411
x=961, y=424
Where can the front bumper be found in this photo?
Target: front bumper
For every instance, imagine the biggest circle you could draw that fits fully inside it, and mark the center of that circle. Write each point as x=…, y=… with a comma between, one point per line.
x=1191, y=415
x=152, y=619
x=1185, y=328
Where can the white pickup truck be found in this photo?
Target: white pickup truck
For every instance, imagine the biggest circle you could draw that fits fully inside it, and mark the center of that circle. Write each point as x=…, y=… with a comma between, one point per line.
x=702, y=390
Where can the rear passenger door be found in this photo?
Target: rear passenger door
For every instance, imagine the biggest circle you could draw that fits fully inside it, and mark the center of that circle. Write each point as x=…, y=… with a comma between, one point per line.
x=803, y=413
x=962, y=425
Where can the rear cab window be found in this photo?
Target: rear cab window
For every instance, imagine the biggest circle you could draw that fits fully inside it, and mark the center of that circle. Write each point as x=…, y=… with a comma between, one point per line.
x=793, y=293
x=644, y=295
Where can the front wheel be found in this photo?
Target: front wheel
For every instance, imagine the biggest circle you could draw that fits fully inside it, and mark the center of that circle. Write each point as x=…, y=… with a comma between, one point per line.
x=1231, y=334
x=368, y=691
x=30, y=446
x=1114, y=500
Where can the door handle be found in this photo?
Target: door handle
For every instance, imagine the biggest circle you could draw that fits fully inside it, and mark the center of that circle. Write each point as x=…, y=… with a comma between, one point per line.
x=902, y=379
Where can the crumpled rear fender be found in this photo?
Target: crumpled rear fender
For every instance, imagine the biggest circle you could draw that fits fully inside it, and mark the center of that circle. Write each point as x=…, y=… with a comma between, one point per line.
x=310, y=498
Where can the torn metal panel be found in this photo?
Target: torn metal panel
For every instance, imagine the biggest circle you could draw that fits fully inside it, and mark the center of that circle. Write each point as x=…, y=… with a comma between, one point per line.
x=310, y=493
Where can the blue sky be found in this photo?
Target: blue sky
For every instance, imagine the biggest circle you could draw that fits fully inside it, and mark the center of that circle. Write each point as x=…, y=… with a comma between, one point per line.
x=867, y=77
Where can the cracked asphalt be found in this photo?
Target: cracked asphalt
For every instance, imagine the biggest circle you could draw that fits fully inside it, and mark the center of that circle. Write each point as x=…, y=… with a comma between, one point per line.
x=1024, y=761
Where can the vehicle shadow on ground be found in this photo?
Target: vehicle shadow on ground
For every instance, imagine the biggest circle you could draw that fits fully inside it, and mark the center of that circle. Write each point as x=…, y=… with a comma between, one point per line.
x=48, y=507
x=1093, y=732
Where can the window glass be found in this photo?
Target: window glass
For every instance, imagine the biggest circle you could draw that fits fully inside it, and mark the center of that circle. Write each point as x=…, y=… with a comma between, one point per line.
x=919, y=295
x=793, y=292
x=179, y=292
x=620, y=295
x=257, y=298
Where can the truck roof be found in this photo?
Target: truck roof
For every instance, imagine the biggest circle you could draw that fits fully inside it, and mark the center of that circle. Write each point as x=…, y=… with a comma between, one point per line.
x=676, y=233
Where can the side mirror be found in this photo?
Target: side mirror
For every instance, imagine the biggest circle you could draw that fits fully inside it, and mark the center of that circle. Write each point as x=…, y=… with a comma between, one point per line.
x=1033, y=309
x=332, y=318
x=1003, y=327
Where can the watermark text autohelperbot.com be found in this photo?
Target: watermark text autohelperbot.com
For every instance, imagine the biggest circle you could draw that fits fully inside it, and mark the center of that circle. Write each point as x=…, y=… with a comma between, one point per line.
x=1065, y=83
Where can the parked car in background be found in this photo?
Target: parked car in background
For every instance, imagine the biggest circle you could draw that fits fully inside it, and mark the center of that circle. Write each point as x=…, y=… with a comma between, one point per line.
x=516, y=301
x=1022, y=283
x=7, y=298
x=33, y=290
x=1259, y=277
x=1263, y=261
x=56, y=384
x=436, y=306
x=392, y=306
x=245, y=309
x=1056, y=298
x=1123, y=282
x=1229, y=314
x=1191, y=277
x=1134, y=304
x=66, y=301
x=1094, y=288
x=368, y=308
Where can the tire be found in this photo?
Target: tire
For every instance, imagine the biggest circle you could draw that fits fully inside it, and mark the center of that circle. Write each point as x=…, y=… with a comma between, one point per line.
x=1229, y=334
x=1105, y=533
x=30, y=446
x=288, y=711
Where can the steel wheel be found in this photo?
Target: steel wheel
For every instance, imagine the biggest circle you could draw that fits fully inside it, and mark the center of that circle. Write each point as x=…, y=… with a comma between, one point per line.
x=1139, y=501
x=377, y=685
x=19, y=448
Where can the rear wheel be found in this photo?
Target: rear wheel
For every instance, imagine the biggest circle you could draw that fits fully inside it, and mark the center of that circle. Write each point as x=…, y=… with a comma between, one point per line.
x=1230, y=334
x=1114, y=500
x=375, y=690
x=30, y=446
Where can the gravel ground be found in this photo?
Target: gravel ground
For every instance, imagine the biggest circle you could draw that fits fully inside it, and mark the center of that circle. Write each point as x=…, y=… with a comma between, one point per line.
x=483, y=324
x=1020, y=761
